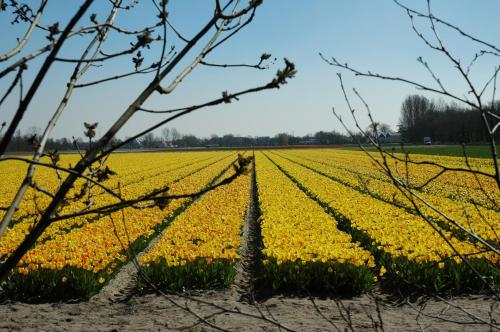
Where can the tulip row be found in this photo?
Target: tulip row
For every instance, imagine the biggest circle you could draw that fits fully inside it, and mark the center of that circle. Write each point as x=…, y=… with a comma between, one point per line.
x=199, y=249
x=14, y=235
x=476, y=219
x=78, y=263
x=457, y=186
x=129, y=167
x=413, y=252
x=302, y=247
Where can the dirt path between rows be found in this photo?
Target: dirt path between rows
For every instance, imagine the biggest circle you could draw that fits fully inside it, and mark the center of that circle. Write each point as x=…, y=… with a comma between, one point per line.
x=243, y=288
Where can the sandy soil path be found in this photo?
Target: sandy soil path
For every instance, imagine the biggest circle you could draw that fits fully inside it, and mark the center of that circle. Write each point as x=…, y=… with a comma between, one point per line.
x=156, y=312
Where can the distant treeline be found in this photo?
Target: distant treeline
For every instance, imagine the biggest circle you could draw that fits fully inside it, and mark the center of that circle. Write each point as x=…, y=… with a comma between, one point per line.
x=420, y=117
x=26, y=141
x=442, y=122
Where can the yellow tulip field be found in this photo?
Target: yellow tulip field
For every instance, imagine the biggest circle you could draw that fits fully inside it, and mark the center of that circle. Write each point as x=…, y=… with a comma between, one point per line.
x=328, y=221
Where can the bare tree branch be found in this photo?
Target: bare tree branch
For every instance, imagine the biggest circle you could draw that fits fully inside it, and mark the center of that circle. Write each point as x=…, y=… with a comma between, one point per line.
x=77, y=73
x=40, y=76
x=27, y=35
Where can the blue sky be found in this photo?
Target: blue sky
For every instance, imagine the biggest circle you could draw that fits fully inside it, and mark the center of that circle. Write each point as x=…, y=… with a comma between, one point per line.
x=370, y=35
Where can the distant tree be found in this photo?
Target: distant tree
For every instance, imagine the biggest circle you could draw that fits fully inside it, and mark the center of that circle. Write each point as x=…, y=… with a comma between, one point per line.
x=384, y=128
x=132, y=144
x=149, y=140
x=282, y=139
x=174, y=133
x=214, y=139
x=415, y=112
x=330, y=137
x=322, y=137
x=227, y=140
x=263, y=141
x=247, y=141
x=166, y=134
x=34, y=131
x=189, y=141
x=376, y=129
